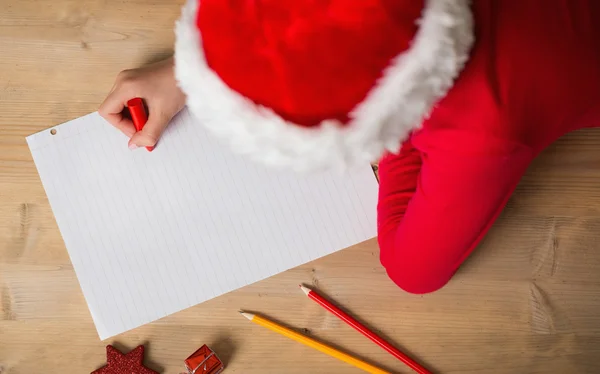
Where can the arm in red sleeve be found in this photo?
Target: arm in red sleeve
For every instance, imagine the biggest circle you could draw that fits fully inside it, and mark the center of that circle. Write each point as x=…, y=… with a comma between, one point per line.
x=398, y=175
x=437, y=200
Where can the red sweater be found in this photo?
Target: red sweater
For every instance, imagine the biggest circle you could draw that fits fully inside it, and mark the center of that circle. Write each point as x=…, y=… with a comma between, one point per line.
x=532, y=75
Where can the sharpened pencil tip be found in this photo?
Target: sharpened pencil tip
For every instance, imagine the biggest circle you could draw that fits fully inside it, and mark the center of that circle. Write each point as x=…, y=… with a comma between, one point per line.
x=306, y=290
x=247, y=315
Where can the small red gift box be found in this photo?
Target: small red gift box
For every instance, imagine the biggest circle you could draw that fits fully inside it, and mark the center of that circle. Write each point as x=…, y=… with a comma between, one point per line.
x=204, y=361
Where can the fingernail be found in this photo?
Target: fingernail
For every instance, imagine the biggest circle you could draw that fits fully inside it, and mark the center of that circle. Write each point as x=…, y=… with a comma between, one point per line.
x=132, y=146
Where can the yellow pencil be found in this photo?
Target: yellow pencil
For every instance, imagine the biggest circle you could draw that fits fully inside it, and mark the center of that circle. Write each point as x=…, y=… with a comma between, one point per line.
x=314, y=344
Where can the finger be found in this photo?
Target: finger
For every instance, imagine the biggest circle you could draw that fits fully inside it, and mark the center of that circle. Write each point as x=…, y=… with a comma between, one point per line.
x=112, y=111
x=149, y=135
x=124, y=124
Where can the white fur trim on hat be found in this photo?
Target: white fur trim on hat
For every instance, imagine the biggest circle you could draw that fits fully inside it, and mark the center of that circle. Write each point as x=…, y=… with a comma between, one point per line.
x=410, y=86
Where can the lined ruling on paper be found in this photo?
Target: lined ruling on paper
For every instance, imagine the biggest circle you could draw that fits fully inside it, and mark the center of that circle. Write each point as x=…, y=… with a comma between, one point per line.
x=150, y=234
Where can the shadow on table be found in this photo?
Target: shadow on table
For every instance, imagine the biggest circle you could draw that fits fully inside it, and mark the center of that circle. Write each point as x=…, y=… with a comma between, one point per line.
x=224, y=348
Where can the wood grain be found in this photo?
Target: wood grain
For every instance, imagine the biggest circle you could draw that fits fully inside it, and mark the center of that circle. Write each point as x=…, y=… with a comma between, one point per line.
x=527, y=301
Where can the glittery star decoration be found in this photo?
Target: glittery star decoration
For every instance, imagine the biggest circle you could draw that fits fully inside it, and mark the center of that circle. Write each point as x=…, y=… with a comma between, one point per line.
x=130, y=363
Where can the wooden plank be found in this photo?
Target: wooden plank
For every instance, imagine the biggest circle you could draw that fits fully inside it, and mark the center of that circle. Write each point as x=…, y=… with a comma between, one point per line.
x=526, y=301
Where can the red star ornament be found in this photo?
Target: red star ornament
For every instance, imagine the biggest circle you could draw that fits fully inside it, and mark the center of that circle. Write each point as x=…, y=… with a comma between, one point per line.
x=119, y=363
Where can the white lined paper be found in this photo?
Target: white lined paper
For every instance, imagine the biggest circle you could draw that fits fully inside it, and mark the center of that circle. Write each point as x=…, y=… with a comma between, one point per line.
x=138, y=225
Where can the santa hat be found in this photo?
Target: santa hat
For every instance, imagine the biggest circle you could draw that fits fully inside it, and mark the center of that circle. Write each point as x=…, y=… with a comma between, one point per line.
x=318, y=83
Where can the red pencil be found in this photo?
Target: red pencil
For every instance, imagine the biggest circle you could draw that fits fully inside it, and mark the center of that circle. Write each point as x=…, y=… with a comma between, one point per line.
x=138, y=115
x=364, y=330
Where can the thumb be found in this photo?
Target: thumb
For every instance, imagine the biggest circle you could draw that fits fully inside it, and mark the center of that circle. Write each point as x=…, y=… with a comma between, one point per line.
x=151, y=132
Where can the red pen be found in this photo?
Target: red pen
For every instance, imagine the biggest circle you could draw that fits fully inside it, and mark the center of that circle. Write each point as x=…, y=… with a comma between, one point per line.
x=138, y=115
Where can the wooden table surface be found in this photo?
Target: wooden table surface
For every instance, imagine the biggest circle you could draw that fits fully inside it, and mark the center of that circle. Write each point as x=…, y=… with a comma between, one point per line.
x=527, y=301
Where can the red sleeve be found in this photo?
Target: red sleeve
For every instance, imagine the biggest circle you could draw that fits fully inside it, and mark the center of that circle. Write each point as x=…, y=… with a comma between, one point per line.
x=437, y=202
x=398, y=175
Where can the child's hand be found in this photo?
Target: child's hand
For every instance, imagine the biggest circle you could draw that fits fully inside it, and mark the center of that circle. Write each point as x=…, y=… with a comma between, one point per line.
x=155, y=84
